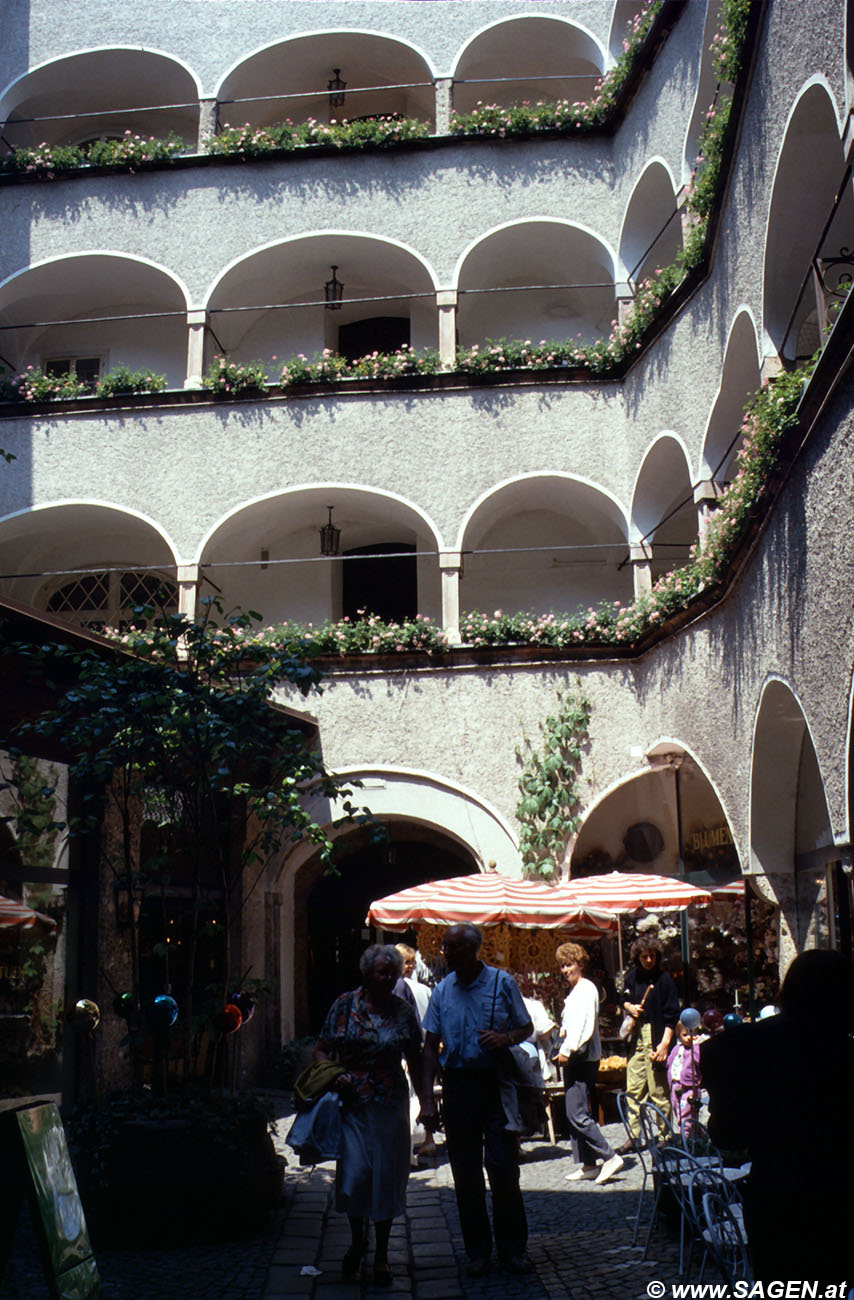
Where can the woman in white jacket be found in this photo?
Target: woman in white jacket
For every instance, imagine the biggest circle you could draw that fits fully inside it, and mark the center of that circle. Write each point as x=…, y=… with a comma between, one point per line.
x=580, y=1052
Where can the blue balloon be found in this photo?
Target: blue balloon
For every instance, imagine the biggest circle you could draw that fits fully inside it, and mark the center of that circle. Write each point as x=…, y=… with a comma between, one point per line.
x=731, y=1019
x=164, y=1011
x=690, y=1019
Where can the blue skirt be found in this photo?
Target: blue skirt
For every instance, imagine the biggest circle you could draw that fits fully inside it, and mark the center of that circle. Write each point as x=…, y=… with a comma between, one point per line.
x=373, y=1167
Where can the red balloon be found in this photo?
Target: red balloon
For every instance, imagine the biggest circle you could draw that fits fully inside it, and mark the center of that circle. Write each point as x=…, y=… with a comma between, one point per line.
x=229, y=1020
x=713, y=1020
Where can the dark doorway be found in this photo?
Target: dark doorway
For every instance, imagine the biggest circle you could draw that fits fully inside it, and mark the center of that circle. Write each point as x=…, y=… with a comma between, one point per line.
x=334, y=910
x=376, y=334
x=382, y=581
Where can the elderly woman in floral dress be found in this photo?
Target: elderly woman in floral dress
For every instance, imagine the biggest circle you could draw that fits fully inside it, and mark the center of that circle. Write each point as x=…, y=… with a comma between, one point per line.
x=368, y=1031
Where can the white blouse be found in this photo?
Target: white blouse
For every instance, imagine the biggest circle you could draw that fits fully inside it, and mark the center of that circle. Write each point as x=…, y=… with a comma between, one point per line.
x=580, y=1021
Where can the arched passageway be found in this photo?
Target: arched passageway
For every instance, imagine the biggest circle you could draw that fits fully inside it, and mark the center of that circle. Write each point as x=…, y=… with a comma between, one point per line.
x=334, y=907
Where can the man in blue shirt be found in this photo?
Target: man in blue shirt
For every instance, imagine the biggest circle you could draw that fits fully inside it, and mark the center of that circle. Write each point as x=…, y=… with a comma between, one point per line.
x=474, y=1016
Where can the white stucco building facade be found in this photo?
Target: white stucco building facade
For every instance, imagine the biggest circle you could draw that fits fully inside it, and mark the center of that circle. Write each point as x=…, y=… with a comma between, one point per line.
x=531, y=492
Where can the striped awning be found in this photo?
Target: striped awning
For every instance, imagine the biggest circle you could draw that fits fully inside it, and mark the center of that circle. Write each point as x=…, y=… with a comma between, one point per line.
x=625, y=892
x=14, y=915
x=488, y=898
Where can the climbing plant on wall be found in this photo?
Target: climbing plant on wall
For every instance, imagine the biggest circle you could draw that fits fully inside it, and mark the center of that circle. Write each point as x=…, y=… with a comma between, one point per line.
x=548, y=811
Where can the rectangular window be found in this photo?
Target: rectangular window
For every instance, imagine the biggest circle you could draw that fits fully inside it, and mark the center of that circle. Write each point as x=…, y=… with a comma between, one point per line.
x=86, y=369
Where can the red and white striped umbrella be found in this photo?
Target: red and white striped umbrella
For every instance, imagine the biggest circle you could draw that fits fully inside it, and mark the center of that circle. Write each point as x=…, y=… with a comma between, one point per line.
x=731, y=889
x=488, y=898
x=14, y=915
x=628, y=891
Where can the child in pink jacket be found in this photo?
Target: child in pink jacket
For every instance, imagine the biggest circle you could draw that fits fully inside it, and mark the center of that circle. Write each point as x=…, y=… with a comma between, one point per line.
x=683, y=1077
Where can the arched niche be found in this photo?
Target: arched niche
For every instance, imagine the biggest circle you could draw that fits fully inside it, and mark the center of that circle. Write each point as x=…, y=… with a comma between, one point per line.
x=54, y=546
x=101, y=93
x=529, y=58
x=560, y=283
x=544, y=543
x=623, y=18
x=707, y=84
x=272, y=303
x=664, y=516
x=652, y=231
x=290, y=80
x=804, y=223
x=101, y=308
x=634, y=825
x=740, y=379
x=789, y=817
x=266, y=555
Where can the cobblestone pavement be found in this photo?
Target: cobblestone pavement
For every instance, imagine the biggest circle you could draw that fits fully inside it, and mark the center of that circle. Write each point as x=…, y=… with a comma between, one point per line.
x=580, y=1246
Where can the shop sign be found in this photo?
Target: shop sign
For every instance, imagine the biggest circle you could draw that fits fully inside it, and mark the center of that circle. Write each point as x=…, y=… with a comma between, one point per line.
x=711, y=837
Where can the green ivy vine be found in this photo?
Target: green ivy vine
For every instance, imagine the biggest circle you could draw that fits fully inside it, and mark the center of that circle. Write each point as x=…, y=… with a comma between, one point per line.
x=548, y=811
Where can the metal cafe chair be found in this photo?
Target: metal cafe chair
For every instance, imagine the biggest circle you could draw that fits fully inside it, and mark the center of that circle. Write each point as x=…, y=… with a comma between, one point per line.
x=672, y=1169
x=643, y=1156
x=703, y=1180
x=726, y=1241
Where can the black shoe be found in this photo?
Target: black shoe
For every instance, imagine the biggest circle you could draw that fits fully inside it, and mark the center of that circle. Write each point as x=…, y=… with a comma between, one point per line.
x=517, y=1264
x=627, y=1148
x=352, y=1261
x=382, y=1274
x=478, y=1266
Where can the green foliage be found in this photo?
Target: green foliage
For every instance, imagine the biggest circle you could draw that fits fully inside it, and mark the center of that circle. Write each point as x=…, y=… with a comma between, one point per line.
x=48, y=161
x=33, y=385
x=123, y=380
x=228, y=378
x=254, y=142
x=33, y=791
x=548, y=811
x=367, y=634
x=178, y=719
x=329, y=365
x=565, y=116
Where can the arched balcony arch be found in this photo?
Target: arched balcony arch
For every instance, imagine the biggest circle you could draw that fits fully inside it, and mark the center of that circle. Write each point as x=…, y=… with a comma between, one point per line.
x=809, y=235
x=93, y=311
x=266, y=555
x=530, y=58
x=272, y=301
x=664, y=518
x=651, y=237
x=789, y=817
x=623, y=16
x=544, y=542
x=99, y=93
x=635, y=824
x=556, y=281
x=706, y=85
x=87, y=561
x=739, y=380
x=291, y=79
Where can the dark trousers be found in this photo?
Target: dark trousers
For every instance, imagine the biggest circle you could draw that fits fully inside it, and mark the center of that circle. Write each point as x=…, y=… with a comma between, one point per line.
x=587, y=1139
x=475, y=1133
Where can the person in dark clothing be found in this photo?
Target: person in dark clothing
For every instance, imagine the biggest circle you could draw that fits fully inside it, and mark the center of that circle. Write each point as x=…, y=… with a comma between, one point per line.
x=650, y=998
x=475, y=1014
x=781, y=1090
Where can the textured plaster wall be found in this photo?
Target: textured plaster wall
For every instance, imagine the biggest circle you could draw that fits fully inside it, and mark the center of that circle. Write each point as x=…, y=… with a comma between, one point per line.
x=788, y=617
x=196, y=223
x=790, y=614
x=208, y=38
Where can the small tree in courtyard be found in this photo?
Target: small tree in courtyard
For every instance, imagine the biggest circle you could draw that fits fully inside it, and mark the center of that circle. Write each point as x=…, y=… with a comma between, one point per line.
x=175, y=727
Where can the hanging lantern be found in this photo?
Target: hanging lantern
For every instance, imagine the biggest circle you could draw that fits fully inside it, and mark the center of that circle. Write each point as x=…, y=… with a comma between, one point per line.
x=333, y=291
x=330, y=536
x=336, y=89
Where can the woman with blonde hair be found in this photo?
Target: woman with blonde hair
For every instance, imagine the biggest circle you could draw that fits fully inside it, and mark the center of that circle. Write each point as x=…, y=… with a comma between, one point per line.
x=580, y=1052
